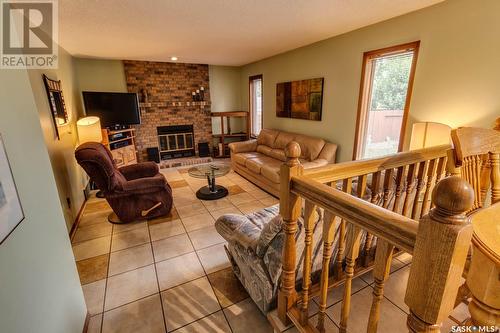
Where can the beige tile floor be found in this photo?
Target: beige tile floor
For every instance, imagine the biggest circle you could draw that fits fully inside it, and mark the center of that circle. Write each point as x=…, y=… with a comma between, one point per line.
x=168, y=274
x=172, y=274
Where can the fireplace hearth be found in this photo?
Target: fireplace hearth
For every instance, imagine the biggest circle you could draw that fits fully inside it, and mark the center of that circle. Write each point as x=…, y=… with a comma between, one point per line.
x=175, y=141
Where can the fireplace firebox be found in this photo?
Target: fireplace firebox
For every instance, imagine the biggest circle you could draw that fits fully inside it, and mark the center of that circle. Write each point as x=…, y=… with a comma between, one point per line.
x=175, y=141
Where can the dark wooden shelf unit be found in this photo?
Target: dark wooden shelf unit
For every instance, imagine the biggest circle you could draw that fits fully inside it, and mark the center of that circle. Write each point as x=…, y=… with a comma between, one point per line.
x=223, y=139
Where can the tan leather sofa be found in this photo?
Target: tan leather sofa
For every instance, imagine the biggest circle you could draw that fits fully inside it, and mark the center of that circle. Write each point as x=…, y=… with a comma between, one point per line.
x=260, y=160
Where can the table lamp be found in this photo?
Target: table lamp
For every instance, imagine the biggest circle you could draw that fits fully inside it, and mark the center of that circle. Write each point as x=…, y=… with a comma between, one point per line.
x=429, y=134
x=89, y=129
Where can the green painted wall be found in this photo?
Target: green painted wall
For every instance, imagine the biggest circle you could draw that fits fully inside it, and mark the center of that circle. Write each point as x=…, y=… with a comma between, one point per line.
x=39, y=285
x=70, y=178
x=457, y=76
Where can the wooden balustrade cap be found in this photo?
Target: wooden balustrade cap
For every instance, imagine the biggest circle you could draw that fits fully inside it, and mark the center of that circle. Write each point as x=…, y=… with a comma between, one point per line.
x=453, y=196
x=292, y=150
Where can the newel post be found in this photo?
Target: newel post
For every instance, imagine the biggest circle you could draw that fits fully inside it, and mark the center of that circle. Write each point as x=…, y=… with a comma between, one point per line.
x=290, y=207
x=441, y=247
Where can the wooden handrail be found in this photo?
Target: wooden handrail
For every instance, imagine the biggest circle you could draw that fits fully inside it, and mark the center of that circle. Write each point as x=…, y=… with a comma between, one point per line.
x=438, y=240
x=334, y=172
x=395, y=228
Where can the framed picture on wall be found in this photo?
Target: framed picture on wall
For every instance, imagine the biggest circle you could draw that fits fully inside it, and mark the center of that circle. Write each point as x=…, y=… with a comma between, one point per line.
x=11, y=211
x=300, y=99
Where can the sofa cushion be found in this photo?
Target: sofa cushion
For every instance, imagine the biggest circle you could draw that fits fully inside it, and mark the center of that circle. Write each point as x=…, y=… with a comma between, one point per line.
x=267, y=137
x=264, y=149
x=309, y=147
x=283, y=139
x=271, y=171
x=255, y=164
x=240, y=158
x=315, y=164
x=278, y=154
x=328, y=152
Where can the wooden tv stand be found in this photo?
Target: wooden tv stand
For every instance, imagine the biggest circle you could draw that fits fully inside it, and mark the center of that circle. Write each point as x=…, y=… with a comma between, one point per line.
x=122, y=145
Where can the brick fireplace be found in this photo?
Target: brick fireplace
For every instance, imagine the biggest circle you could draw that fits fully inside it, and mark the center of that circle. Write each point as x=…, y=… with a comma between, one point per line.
x=169, y=102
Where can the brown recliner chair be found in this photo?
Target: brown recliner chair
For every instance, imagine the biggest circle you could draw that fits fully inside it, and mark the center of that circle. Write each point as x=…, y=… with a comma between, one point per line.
x=134, y=192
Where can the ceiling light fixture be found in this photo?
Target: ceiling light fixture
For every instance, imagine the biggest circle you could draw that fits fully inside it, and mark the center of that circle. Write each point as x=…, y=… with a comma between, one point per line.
x=174, y=58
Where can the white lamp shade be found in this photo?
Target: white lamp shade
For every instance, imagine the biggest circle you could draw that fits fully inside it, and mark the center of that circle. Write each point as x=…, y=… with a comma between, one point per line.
x=428, y=134
x=89, y=129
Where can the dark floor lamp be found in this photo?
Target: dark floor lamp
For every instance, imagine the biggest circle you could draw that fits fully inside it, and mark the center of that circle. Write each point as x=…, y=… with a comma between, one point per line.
x=89, y=130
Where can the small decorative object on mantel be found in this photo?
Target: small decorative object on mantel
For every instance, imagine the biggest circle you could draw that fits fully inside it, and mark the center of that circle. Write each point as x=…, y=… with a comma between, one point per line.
x=144, y=96
x=11, y=211
x=198, y=95
x=56, y=103
x=300, y=99
x=202, y=93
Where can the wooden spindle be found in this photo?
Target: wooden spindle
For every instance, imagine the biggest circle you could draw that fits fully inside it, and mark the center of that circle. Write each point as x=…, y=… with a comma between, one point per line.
x=352, y=254
x=400, y=179
x=381, y=270
x=469, y=176
x=388, y=180
x=476, y=170
x=485, y=176
x=421, y=181
x=369, y=237
x=362, y=182
x=290, y=206
x=329, y=227
x=410, y=185
x=339, y=273
x=441, y=172
x=439, y=255
x=310, y=217
x=431, y=176
x=495, y=177
x=472, y=179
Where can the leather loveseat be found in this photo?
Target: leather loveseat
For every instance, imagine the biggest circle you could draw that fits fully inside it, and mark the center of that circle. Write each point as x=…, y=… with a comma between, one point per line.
x=259, y=160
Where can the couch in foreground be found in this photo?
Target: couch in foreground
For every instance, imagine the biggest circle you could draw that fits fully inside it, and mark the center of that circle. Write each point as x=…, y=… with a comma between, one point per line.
x=255, y=250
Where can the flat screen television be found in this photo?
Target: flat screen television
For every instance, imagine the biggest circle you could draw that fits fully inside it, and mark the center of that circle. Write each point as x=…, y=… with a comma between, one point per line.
x=112, y=108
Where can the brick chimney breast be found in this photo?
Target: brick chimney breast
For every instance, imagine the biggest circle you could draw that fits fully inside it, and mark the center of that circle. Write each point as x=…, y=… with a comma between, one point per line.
x=165, y=83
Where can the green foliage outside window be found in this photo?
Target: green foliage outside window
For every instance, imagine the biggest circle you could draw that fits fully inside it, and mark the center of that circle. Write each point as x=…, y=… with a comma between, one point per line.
x=390, y=82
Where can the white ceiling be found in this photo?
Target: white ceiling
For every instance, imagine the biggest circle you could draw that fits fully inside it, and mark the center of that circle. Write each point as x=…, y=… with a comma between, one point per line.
x=219, y=32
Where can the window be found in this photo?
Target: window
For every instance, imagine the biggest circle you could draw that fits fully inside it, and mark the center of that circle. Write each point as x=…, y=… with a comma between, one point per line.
x=384, y=99
x=255, y=99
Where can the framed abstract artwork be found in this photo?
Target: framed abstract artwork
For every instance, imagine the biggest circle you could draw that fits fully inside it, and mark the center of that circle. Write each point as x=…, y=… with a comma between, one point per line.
x=300, y=99
x=11, y=212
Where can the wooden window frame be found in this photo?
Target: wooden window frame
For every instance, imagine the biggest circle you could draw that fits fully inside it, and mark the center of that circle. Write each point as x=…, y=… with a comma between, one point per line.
x=250, y=118
x=365, y=90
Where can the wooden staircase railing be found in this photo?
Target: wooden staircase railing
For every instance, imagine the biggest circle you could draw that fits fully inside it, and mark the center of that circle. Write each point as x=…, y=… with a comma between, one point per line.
x=390, y=194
